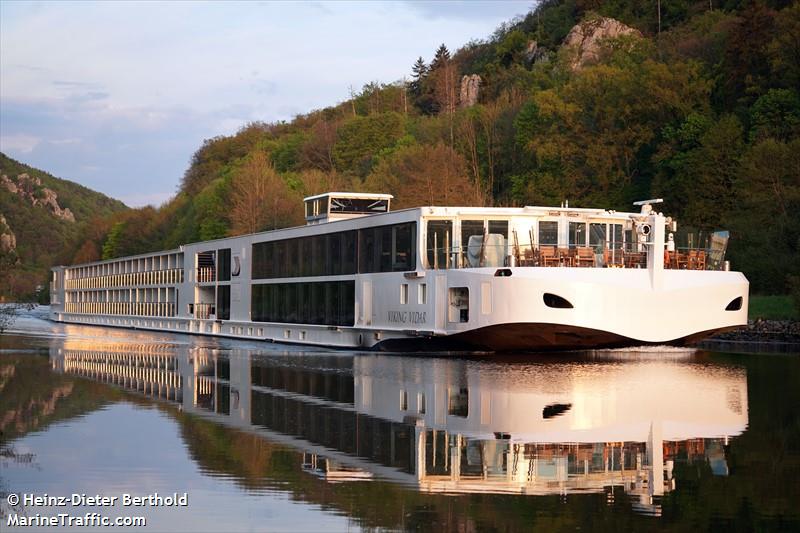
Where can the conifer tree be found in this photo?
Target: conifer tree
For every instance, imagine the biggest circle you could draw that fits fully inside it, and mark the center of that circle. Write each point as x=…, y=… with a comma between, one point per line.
x=419, y=72
x=441, y=58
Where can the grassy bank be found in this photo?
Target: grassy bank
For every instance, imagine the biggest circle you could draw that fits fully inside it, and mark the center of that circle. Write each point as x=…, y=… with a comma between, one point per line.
x=773, y=308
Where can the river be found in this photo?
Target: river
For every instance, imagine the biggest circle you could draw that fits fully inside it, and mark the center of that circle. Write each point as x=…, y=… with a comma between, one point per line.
x=200, y=434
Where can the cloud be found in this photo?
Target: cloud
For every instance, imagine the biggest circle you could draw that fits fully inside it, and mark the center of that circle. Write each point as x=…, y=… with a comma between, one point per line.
x=472, y=9
x=71, y=140
x=20, y=143
x=119, y=95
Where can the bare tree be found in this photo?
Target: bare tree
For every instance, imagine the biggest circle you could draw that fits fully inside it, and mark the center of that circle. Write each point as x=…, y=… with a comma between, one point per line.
x=260, y=199
x=317, y=152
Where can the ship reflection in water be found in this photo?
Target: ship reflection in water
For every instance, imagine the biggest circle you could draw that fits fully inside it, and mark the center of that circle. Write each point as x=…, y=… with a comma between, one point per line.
x=592, y=424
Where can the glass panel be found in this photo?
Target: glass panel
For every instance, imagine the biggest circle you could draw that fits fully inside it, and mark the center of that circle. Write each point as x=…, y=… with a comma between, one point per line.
x=335, y=253
x=497, y=253
x=348, y=298
x=499, y=227
x=279, y=267
x=404, y=247
x=319, y=266
x=349, y=251
x=597, y=236
x=577, y=234
x=616, y=236
x=224, y=264
x=386, y=243
x=331, y=303
x=224, y=302
x=470, y=228
x=439, y=238
x=548, y=232
x=304, y=263
x=366, y=250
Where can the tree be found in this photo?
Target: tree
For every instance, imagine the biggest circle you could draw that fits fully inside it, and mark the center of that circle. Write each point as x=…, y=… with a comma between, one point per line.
x=260, y=199
x=775, y=114
x=441, y=57
x=87, y=253
x=113, y=243
x=317, y=182
x=362, y=138
x=317, y=152
x=418, y=73
x=703, y=169
x=766, y=225
x=424, y=175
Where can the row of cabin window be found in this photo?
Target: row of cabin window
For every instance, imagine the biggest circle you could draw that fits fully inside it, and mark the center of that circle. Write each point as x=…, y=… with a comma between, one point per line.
x=378, y=249
x=329, y=303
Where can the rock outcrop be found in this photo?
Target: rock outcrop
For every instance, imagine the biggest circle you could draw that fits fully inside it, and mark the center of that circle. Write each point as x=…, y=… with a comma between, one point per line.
x=8, y=241
x=535, y=53
x=30, y=189
x=470, y=90
x=586, y=38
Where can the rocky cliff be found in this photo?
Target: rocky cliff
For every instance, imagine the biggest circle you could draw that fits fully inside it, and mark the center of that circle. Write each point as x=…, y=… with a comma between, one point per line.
x=30, y=189
x=585, y=39
x=8, y=241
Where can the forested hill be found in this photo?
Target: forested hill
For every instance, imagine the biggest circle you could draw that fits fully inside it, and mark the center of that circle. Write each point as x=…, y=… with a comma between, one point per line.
x=597, y=102
x=44, y=221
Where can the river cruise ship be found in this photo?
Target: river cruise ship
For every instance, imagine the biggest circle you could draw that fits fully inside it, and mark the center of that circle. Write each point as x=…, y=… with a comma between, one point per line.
x=359, y=275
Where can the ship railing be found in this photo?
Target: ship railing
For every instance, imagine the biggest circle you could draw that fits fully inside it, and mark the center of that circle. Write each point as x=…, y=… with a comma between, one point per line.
x=204, y=311
x=206, y=275
x=606, y=255
x=170, y=276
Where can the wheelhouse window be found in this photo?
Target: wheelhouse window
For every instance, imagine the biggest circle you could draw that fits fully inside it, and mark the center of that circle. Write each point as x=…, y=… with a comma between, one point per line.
x=359, y=205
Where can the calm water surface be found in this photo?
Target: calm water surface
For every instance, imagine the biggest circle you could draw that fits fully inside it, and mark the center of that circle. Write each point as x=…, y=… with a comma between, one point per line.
x=265, y=438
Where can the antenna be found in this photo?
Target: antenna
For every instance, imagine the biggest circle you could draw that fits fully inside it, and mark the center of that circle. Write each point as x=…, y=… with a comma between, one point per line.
x=653, y=201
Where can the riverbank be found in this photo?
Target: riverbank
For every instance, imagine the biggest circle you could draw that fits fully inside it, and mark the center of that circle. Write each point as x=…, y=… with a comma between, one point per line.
x=760, y=331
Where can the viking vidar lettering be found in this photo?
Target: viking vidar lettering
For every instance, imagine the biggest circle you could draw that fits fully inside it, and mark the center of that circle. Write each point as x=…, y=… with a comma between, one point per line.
x=406, y=317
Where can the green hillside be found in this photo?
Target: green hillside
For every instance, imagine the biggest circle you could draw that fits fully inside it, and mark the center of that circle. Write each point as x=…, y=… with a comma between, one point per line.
x=43, y=238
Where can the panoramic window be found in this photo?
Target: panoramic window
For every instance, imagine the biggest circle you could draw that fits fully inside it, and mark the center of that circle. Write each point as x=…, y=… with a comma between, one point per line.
x=387, y=248
x=326, y=303
x=319, y=255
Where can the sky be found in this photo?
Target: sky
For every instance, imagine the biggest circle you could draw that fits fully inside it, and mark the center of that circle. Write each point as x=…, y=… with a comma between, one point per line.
x=118, y=96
